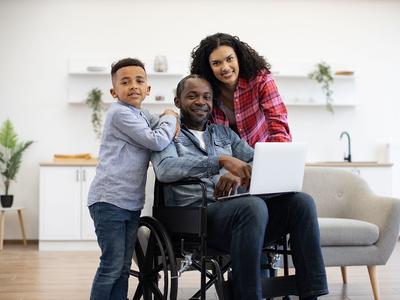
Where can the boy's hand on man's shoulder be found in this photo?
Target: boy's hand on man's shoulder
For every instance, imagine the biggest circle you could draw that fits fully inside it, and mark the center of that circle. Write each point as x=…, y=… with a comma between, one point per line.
x=169, y=112
x=177, y=129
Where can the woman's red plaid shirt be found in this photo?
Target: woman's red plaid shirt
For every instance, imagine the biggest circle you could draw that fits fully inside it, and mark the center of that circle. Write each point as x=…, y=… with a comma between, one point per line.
x=260, y=113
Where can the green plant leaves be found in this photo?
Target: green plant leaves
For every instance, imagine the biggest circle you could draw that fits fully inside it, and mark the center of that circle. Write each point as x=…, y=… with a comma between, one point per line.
x=10, y=153
x=323, y=75
x=95, y=102
x=8, y=138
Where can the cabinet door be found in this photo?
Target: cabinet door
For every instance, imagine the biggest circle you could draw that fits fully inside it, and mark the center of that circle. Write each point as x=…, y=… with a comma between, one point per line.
x=379, y=179
x=60, y=203
x=88, y=174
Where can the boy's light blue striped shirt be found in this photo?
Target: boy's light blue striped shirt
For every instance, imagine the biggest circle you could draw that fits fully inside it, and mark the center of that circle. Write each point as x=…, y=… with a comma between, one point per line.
x=129, y=136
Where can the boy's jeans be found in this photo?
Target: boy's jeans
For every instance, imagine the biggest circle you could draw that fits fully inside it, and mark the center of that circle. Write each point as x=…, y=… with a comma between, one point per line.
x=116, y=231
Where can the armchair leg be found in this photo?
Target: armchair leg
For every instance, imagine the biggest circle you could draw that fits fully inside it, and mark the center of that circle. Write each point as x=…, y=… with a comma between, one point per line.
x=344, y=274
x=373, y=280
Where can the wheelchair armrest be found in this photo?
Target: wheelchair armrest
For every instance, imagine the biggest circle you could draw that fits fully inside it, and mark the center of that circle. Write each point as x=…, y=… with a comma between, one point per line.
x=184, y=219
x=186, y=181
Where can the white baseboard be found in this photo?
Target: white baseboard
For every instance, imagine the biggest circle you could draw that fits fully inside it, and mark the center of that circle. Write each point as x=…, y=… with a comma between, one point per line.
x=68, y=246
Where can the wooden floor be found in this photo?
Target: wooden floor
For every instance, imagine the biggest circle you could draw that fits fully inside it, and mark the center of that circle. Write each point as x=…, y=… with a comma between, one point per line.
x=27, y=274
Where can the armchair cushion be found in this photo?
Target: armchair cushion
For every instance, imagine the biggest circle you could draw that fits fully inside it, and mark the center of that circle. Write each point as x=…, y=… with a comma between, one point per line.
x=347, y=232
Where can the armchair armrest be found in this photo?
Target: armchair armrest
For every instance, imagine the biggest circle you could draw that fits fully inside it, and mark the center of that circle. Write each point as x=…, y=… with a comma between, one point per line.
x=385, y=213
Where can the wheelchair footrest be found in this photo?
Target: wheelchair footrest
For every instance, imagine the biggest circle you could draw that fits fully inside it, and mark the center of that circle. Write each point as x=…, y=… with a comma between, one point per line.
x=279, y=286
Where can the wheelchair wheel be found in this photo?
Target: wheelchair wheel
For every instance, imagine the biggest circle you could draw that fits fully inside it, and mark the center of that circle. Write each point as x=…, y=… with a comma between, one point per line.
x=155, y=259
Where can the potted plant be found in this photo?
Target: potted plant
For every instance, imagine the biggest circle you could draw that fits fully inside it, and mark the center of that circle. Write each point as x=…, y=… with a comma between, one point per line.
x=323, y=75
x=95, y=102
x=11, y=151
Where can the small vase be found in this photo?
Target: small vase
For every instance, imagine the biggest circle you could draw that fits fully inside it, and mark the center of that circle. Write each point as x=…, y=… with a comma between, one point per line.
x=160, y=98
x=160, y=63
x=6, y=200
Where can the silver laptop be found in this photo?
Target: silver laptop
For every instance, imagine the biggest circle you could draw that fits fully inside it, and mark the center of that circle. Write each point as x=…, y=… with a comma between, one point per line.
x=277, y=168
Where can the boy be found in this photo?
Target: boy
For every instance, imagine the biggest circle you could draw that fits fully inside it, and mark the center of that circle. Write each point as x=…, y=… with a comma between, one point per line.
x=117, y=193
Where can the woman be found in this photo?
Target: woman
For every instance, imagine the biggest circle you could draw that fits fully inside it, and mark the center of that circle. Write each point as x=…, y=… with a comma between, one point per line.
x=246, y=97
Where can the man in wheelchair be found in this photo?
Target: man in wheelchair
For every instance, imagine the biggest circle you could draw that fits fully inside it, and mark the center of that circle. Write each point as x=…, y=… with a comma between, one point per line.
x=240, y=226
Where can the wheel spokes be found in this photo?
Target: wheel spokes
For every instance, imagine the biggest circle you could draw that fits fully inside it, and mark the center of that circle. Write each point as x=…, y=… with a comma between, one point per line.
x=149, y=256
x=155, y=257
x=140, y=257
x=156, y=291
x=138, y=293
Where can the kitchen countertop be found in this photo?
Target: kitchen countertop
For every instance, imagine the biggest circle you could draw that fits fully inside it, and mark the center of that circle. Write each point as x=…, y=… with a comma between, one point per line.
x=347, y=164
x=70, y=162
x=93, y=162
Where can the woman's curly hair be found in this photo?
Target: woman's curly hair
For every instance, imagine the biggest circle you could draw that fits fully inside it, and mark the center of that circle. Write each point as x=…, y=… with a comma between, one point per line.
x=250, y=62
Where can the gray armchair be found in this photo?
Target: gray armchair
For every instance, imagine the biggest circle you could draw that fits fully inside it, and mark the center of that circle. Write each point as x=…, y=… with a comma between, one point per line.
x=357, y=227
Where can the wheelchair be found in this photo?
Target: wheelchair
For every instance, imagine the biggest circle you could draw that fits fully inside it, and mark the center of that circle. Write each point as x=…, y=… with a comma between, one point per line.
x=174, y=240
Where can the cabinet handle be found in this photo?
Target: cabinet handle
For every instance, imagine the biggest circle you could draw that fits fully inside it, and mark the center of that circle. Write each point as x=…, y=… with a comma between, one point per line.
x=77, y=175
x=83, y=175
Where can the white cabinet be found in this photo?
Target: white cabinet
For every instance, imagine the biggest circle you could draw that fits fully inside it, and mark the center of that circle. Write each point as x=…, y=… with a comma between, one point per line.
x=64, y=219
x=86, y=74
x=87, y=226
x=63, y=214
x=378, y=176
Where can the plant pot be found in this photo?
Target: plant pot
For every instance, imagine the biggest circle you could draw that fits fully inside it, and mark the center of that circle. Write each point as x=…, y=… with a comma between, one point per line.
x=6, y=200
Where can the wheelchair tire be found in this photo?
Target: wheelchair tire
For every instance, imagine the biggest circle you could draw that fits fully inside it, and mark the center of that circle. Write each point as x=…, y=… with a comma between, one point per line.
x=155, y=259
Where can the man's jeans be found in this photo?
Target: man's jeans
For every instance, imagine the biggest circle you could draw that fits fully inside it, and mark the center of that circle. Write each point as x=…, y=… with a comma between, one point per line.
x=116, y=231
x=241, y=226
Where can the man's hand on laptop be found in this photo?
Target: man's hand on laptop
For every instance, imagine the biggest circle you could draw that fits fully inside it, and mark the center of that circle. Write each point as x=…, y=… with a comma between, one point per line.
x=226, y=185
x=237, y=168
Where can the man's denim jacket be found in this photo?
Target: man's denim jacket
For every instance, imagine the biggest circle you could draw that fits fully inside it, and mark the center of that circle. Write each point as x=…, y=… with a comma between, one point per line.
x=185, y=158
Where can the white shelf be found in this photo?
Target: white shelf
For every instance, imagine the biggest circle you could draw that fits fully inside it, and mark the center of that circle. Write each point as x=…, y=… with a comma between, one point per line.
x=86, y=74
x=305, y=76
x=102, y=67
x=164, y=74
x=151, y=100
x=108, y=73
x=297, y=90
x=109, y=100
x=305, y=104
x=84, y=66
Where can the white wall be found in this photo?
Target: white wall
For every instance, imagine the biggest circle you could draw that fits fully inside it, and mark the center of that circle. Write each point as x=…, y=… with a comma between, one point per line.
x=38, y=37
